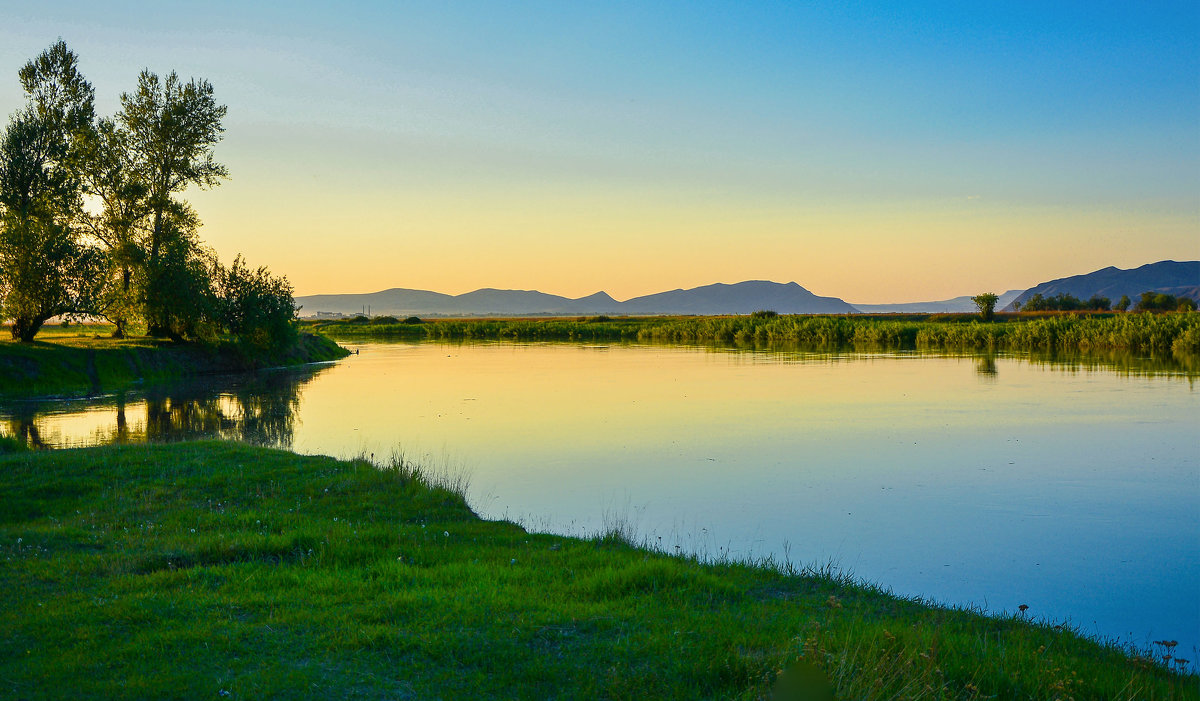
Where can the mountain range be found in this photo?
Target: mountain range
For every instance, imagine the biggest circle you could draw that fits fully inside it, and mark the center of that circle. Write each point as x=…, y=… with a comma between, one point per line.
x=739, y=298
x=1171, y=277
x=1180, y=279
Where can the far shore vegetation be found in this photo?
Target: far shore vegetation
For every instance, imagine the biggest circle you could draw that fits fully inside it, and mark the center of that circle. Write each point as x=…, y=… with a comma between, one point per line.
x=217, y=569
x=1176, y=332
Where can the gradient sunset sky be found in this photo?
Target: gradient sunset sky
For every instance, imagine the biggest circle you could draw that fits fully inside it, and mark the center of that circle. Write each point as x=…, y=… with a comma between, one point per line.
x=874, y=153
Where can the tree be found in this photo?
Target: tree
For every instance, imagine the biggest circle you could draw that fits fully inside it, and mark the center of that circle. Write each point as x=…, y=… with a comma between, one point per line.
x=1123, y=304
x=987, y=304
x=120, y=225
x=184, y=302
x=46, y=268
x=255, y=306
x=170, y=129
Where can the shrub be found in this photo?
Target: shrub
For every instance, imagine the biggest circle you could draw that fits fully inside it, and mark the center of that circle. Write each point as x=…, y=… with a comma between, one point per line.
x=385, y=320
x=255, y=306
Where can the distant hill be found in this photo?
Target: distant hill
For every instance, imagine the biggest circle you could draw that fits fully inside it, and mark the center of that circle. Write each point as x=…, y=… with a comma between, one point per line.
x=740, y=298
x=1113, y=282
x=946, y=306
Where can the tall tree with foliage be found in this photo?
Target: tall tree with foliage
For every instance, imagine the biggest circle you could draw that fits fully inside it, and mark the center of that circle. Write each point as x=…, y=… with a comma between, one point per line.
x=45, y=268
x=986, y=303
x=120, y=225
x=171, y=128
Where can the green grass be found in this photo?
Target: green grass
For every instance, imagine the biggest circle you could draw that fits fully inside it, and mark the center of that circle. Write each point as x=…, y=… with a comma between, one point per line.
x=201, y=570
x=82, y=359
x=1143, y=333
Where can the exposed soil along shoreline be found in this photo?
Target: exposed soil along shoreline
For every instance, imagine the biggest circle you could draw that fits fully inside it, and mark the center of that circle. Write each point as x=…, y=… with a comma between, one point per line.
x=272, y=572
x=82, y=366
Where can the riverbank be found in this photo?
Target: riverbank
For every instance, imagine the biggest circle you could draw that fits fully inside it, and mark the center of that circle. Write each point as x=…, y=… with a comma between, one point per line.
x=83, y=362
x=218, y=569
x=1142, y=332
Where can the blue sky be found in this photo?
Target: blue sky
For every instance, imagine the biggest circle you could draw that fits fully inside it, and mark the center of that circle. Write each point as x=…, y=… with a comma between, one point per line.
x=635, y=147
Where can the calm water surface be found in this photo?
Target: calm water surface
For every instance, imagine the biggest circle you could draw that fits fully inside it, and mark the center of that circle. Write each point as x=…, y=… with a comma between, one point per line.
x=989, y=481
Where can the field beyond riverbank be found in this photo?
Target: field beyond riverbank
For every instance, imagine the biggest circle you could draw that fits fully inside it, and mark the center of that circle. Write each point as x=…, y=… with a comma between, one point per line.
x=82, y=360
x=1134, y=332
x=216, y=569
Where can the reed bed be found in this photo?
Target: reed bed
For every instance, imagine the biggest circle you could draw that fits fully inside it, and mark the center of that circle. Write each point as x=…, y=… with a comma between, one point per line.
x=1141, y=333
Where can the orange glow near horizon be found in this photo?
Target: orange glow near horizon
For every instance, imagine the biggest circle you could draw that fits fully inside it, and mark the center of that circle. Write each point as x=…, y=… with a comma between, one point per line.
x=630, y=244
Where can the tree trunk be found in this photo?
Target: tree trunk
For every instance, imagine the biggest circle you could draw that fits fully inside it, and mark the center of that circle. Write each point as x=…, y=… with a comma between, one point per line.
x=120, y=321
x=25, y=328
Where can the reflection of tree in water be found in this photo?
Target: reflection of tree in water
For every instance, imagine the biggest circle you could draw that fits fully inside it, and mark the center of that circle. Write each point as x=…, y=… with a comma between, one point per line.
x=259, y=409
x=985, y=365
x=22, y=424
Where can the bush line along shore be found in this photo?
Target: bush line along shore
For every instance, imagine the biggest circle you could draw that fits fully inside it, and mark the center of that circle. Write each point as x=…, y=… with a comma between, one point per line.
x=1141, y=332
x=217, y=569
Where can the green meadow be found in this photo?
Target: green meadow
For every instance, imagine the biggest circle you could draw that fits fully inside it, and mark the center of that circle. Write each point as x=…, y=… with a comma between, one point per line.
x=216, y=569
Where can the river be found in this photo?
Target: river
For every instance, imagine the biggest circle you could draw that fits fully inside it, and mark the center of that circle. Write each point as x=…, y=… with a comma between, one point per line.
x=991, y=481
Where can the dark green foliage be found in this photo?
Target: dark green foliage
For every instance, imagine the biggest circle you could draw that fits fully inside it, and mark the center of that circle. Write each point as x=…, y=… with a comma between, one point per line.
x=255, y=307
x=179, y=296
x=148, y=263
x=45, y=272
x=1059, y=303
x=1158, y=301
x=413, y=320
x=45, y=267
x=1123, y=304
x=385, y=320
x=986, y=303
x=1133, y=332
x=1066, y=303
x=170, y=128
x=764, y=314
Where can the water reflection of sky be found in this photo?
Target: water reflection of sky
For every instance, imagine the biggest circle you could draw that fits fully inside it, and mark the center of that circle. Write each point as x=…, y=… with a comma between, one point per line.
x=995, y=481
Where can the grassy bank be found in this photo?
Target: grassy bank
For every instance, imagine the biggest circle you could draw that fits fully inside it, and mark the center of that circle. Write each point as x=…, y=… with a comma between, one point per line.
x=1157, y=333
x=220, y=570
x=82, y=360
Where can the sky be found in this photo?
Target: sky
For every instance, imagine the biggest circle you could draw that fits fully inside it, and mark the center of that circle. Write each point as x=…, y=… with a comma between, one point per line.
x=865, y=151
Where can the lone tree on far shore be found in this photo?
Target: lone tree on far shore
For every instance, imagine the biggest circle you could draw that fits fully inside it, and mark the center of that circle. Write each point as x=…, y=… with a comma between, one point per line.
x=987, y=304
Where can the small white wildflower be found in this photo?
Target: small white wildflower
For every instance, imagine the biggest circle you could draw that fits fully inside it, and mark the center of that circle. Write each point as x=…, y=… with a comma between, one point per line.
x=513, y=561
x=193, y=530
x=446, y=533
x=19, y=540
x=335, y=518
